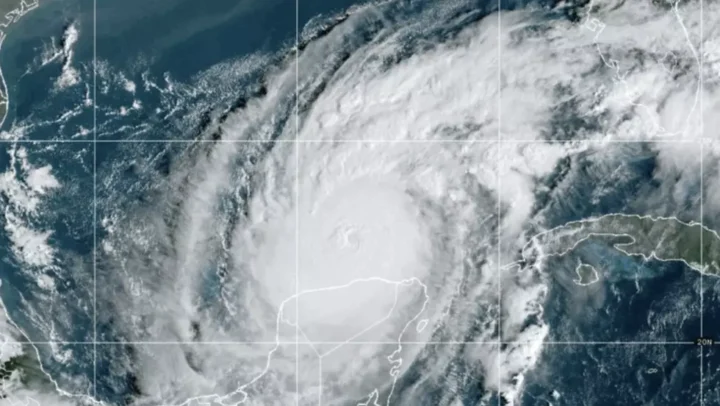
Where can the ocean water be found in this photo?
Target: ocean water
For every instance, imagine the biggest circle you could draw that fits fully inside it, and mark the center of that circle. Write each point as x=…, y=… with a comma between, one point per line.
x=161, y=41
x=165, y=58
x=152, y=77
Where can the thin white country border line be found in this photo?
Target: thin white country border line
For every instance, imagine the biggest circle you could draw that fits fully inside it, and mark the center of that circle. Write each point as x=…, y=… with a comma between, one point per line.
x=390, y=141
x=10, y=18
x=515, y=263
x=278, y=343
x=95, y=342
x=421, y=343
x=618, y=246
x=597, y=26
x=241, y=390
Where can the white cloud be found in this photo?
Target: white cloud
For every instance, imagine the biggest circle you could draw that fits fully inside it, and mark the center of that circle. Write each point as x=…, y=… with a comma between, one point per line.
x=452, y=91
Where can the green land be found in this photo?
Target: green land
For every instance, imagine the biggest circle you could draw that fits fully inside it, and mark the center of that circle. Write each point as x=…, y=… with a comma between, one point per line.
x=667, y=239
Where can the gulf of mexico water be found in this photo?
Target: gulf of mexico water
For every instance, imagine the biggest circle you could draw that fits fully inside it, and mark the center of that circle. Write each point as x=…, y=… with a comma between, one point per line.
x=114, y=71
x=149, y=44
x=162, y=71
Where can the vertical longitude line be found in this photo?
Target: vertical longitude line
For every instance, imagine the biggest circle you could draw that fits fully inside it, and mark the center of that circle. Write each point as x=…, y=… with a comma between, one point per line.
x=320, y=386
x=297, y=202
x=702, y=214
x=498, y=167
x=94, y=223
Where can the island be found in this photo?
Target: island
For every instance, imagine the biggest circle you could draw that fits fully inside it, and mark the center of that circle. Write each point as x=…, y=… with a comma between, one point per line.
x=661, y=238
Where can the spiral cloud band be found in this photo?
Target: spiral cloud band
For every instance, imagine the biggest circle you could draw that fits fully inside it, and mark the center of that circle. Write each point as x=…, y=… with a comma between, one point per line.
x=354, y=227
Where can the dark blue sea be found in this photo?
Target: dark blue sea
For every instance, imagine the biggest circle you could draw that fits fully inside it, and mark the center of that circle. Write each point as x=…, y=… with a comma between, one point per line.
x=149, y=77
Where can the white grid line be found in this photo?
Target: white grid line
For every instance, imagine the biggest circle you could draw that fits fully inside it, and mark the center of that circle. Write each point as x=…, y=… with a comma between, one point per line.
x=499, y=199
x=94, y=223
x=702, y=170
x=499, y=142
x=297, y=202
x=320, y=381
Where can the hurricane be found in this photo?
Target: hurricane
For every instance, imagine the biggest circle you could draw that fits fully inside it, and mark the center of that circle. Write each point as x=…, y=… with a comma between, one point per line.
x=408, y=203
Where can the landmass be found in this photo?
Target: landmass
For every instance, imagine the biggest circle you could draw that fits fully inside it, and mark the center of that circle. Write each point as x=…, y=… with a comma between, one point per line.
x=662, y=238
x=586, y=275
x=13, y=10
x=24, y=367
